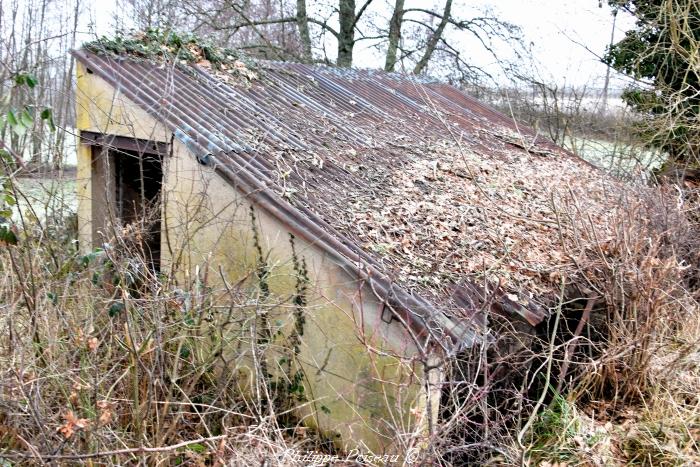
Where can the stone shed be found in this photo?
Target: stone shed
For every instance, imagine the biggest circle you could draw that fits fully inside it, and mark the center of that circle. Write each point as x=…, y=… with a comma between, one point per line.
x=399, y=200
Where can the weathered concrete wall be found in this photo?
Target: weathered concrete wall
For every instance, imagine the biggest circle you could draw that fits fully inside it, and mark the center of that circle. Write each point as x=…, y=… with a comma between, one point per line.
x=358, y=393
x=362, y=383
x=102, y=109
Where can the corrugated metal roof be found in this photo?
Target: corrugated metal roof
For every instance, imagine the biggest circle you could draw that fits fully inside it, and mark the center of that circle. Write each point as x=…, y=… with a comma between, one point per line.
x=321, y=147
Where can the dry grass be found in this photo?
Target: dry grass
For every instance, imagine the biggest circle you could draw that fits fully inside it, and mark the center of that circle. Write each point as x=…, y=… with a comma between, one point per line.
x=613, y=378
x=631, y=372
x=103, y=361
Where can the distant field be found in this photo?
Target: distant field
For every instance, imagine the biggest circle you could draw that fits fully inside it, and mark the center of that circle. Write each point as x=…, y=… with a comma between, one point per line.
x=617, y=158
x=47, y=196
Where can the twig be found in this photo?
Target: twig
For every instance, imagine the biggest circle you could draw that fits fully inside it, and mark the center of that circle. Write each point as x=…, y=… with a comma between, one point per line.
x=117, y=452
x=548, y=374
x=571, y=346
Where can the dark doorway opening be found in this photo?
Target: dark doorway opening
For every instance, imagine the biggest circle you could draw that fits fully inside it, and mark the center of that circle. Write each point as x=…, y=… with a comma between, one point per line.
x=126, y=182
x=138, y=182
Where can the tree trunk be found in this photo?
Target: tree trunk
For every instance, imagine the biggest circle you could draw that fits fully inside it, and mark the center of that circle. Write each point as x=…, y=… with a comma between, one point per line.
x=67, y=98
x=394, y=36
x=303, y=25
x=346, y=35
x=434, y=39
x=604, y=105
x=39, y=93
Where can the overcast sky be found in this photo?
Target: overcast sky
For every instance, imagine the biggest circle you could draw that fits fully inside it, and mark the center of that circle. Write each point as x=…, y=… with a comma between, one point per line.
x=557, y=32
x=555, y=28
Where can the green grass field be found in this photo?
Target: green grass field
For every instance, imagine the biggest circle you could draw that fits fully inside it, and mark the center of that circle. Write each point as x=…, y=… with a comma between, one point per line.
x=616, y=157
x=46, y=196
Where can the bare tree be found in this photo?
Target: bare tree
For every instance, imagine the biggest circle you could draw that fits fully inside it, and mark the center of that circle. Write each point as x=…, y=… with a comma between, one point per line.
x=304, y=34
x=409, y=37
x=435, y=37
x=149, y=14
x=416, y=41
x=36, y=77
x=348, y=18
x=394, y=36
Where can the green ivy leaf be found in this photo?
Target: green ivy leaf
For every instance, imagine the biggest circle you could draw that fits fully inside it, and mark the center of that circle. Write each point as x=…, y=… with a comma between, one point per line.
x=26, y=78
x=47, y=116
x=198, y=448
x=86, y=259
x=53, y=297
x=30, y=80
x=16, y=122
x=12, y=118
x=26, y=118
x=7, y=236
x=115, y=309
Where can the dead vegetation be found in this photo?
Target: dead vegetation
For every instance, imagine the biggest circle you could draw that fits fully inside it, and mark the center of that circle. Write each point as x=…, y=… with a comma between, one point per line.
x=455, y=211
x=104, y=361
x=627, y=362
x=611, y=378
x=171, y=48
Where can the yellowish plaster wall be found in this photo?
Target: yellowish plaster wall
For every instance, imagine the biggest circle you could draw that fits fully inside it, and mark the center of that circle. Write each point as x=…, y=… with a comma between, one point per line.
x=363, y=385
x=102, y=109
x=354, y=387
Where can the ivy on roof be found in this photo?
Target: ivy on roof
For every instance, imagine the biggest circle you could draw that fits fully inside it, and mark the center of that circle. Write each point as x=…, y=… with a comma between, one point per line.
x=172, y=47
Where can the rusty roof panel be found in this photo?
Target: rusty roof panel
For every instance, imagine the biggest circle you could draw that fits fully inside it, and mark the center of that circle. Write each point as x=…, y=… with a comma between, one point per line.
x=370, y=166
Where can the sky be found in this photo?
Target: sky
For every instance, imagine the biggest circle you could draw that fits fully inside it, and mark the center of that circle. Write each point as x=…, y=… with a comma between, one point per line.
x=558, y=30
x=564, y=37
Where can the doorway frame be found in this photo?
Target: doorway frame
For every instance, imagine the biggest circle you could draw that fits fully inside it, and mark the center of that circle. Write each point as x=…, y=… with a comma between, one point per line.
x=102, y=176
